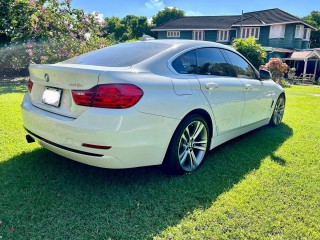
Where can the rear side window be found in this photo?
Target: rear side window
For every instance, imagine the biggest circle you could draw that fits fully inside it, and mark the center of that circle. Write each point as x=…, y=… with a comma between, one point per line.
x=120, y=55
x=212, y=62
x=186, y=63
x=240, y=67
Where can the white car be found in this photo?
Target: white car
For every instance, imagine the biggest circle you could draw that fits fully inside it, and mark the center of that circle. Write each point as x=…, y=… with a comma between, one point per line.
x=148, y=103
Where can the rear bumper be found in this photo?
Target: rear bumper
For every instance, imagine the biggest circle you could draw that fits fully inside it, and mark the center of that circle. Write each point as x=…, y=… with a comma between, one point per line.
x=136, y=139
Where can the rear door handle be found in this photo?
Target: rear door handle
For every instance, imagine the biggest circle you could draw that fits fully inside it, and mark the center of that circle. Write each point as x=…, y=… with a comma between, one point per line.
x=212, y=86
x=248, y=87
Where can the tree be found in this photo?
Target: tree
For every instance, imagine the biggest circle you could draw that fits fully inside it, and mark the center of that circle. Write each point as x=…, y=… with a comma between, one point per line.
x=127, y=28
x=314, y=19
x=115, y=28
x=136, y=26
x=254, y=52
x=315, y=39
x=166, y=15
x=140, y=26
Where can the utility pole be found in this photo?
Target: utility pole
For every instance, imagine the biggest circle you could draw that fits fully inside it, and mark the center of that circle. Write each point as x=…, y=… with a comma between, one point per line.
x=241, y=24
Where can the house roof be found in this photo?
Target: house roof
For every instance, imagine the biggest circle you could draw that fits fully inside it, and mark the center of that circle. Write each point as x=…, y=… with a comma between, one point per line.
x=200, y=22
x=269, y=16
x=300, y=55
x=282, y=50
x=257, y=18
x=303, y=55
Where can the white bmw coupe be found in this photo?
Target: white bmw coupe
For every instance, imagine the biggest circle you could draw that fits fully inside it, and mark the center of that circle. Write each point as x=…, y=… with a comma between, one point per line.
x=148, y=103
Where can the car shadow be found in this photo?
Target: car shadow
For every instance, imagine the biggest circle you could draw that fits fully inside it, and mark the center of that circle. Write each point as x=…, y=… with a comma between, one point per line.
x=55, y=197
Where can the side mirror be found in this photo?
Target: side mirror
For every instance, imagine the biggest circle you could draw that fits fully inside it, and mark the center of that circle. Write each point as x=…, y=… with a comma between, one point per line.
x=264, y=74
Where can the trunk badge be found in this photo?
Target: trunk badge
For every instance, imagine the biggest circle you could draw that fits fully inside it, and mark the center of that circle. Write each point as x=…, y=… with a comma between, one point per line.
x=46, y=77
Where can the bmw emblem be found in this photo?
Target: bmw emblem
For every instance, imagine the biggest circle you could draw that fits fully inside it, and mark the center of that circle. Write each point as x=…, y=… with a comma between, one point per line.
x=46, y=77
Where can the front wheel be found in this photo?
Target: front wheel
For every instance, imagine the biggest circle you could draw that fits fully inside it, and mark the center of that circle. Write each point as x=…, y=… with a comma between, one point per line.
x=278, y=111
x=188, y=145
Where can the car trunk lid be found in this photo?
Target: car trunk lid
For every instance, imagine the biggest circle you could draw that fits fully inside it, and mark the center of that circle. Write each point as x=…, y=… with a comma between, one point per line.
x=53, y=85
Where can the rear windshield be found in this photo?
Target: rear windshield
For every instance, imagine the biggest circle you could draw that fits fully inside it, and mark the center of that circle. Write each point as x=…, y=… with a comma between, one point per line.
x=120, y=55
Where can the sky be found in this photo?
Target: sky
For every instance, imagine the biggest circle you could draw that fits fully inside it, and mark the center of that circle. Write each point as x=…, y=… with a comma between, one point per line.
x=148, y=8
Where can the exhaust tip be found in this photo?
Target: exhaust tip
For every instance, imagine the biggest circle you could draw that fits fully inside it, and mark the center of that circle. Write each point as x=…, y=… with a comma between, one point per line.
x=29, y=139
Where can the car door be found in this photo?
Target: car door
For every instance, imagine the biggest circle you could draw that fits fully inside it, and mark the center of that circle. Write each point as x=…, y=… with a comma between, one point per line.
x=224, y=93
x=258, y=98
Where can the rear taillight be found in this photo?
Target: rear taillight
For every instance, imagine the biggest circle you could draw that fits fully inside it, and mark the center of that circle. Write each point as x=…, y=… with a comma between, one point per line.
x=30, y=85
x=108, y=96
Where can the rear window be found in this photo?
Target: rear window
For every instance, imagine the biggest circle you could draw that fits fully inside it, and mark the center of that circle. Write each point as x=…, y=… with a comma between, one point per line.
x=120, y=55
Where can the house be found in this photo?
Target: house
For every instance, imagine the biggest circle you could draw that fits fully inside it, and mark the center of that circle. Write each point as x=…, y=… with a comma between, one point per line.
x=278, y=31
x=305, y=62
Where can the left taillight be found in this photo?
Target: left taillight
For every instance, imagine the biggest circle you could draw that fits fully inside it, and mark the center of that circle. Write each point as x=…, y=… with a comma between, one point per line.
x=30, y=85
x=117, y=96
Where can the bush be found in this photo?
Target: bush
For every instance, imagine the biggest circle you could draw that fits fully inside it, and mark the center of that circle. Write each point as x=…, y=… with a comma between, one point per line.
x=254, y=52
x=52, y=32
x=277, y=68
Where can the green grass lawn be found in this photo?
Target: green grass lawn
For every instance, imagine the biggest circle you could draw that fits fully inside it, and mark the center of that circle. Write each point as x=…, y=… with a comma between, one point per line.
x=265, y=184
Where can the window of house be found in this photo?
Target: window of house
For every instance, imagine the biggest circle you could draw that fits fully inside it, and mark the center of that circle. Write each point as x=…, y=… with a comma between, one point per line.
x=299, y=31
x=277, y=31
x=186, y=63
x=240, y=67
x=212, y=62
x=306, y=34
x=173, y=34
x=247, y=32
x=223, y=36
x=198, y=35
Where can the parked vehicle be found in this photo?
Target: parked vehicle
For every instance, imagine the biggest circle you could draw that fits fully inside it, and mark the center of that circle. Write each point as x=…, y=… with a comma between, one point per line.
x=148, y=103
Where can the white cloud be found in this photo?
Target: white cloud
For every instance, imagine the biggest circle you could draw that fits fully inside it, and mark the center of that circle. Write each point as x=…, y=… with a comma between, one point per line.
x=149, y=20
x=98, y=17
x=155, y=4
x=194, y=13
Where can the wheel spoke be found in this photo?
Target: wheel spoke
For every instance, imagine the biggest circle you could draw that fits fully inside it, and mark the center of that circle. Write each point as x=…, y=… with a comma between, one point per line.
x=184, y=137
x=278, y=118
x=187, y=134
x=193, y=159
x=204, y=141
x=183, y=157
x=202, y=148
x=198, y=130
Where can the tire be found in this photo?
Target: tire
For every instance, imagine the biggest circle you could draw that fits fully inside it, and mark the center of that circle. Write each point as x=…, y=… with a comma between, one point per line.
x=188, y=146
x=278, y=111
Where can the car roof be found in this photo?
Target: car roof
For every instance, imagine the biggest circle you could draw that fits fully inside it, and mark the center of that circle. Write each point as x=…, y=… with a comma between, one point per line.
x=140, y=53
x=188, y=43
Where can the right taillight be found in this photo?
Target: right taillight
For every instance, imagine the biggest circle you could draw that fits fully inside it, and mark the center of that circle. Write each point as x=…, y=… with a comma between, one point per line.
x=117, y=96
x=30, y=85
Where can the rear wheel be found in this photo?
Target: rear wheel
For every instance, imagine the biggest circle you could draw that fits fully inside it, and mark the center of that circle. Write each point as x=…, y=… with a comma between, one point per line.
x=278, y=111
x=188, y=145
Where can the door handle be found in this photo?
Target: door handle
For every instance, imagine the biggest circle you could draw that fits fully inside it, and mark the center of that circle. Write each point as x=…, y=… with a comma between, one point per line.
x=211, y=86
x=248, y=87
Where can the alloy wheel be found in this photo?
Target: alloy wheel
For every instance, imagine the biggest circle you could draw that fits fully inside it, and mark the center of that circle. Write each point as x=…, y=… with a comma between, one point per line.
x=192, y=146
x=278, y=111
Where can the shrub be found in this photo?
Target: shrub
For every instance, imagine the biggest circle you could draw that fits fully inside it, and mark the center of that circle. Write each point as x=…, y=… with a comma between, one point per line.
x=277, y=68
x=52, y=32
x=249, y=48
